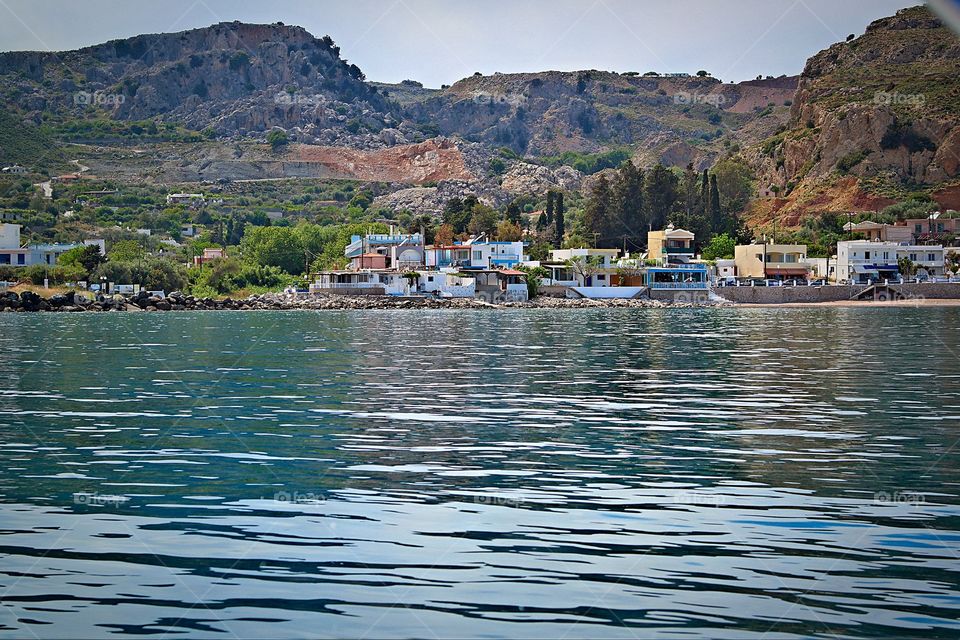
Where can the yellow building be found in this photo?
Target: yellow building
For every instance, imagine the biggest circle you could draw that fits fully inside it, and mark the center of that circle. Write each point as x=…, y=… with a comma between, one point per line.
x=775, y=261
x=670, y=245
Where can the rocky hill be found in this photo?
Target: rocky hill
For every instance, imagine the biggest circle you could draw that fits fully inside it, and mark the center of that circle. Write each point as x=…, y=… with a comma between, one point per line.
x=868, y=120
x=548, y=113
x=233, y=78
x=871, y=116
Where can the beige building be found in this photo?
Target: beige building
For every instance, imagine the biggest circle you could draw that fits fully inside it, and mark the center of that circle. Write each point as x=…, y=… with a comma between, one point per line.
x=774, y=261
x=879, y=232
x=670, y=245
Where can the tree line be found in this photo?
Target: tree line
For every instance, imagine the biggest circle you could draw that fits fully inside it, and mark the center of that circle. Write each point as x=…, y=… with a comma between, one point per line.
x=621, y=209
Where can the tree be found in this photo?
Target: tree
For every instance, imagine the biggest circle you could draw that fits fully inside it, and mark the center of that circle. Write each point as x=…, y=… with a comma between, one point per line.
x=457, y=212
x=508, y=231
x=126, y=250
x=584, y=267
x=534, y=276
x=514, y=213
x=280, y=247
x=629, y=216
x=596, y=216
x=735, y=182
x=444, y=235
x=720, y=246
x=483, y=219
x=87, y=258
x=692, y=216
x=716, y=214
x=277, y=138
x=558, y=221
x=906, y=267
x=702, y=74
x=549, y=213
x=660, y=191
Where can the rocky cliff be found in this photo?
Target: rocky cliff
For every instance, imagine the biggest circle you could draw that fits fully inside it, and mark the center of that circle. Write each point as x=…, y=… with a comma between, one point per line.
x=882, y=109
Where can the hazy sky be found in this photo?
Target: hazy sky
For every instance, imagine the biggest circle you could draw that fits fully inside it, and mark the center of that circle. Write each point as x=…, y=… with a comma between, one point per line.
x=441, y=41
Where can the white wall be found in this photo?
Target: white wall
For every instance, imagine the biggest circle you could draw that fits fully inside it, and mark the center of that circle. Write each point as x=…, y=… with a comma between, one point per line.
x=9, y=236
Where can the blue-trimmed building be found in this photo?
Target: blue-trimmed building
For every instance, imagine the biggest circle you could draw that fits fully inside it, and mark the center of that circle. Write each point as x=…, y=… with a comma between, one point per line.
x=477, y=253
x=691, y=275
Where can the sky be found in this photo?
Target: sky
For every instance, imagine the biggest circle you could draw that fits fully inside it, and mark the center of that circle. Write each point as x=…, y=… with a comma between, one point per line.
x=440, y=41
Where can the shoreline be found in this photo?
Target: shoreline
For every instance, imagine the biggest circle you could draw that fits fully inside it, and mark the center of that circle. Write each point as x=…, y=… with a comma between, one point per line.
x=31, y=302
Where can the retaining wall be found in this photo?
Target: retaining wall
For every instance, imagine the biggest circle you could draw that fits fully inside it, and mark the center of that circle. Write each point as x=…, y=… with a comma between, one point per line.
x=781, y=295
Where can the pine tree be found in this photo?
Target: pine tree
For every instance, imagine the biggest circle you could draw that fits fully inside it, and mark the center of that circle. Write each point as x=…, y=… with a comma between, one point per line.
x=558, y=221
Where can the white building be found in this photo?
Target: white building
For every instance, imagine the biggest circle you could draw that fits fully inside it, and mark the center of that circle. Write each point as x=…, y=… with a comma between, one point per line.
x=476, y=253
x=726, y=268
x=13, y=254
x=865, y=261
x=16, y=170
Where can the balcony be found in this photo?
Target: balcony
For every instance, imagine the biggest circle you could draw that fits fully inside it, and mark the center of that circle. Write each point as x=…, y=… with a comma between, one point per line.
x=679, y=250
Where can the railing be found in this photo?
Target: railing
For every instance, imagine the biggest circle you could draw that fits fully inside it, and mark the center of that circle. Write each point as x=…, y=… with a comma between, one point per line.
x=678, y=250
x=348, y=285
x=678, y=285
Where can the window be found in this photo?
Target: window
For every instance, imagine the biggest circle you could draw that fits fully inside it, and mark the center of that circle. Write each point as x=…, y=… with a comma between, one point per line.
x=913, y=257
x=478, y=255
x=4, y=258
x=886, y=255
x=21, y=259
x=918, y=228
x=601, y=277
x=429, y=278
x=866, y=255
x=931, y=257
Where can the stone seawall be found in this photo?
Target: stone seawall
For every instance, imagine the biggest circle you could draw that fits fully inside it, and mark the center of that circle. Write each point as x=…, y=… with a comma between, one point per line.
x=785, y=295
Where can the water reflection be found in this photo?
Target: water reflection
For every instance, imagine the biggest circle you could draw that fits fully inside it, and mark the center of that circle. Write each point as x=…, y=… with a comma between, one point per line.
x=724, y=472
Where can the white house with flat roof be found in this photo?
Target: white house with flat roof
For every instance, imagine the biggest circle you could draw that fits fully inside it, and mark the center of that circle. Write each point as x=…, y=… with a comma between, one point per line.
x=476, y=253
x=864, y=261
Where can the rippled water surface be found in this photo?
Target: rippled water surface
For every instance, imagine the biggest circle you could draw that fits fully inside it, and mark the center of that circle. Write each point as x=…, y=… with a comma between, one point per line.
x=520, y=473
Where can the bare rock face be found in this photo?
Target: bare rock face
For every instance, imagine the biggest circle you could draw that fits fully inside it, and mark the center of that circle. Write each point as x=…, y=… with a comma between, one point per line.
x=524, y=177
x=431, y=200
x=429, y=161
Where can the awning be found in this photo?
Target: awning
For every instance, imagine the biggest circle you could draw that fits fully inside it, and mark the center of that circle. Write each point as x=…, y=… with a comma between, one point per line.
x=864, y=268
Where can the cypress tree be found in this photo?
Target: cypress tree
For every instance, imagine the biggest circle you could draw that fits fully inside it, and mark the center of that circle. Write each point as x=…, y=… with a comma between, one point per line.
x=704, y=193
x=716, y=216
x=558, y=221
x=549, y=219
